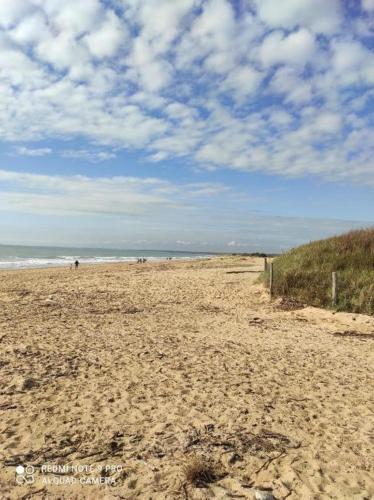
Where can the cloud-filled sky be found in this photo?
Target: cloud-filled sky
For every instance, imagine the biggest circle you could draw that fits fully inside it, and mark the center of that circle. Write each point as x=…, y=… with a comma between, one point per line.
x=188, y=124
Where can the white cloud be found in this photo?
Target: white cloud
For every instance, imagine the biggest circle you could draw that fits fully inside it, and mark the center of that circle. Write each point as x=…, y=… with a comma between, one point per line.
x=12, y=11
x=368, y=5
x=23, y=151
x=64, y=195
x=327, y=123
x=156, y=75
x=73, y=17
x=215, y=25
x=287, y=82
x=108, y=38
x=89, y=155
x=279, y=118
x=31, y=29
x=206, y=189
x=243, y=80
x=160, y=20
x=46, y=194
x=296, y=49
x=236, y=244
x=150, y=71
x=348, y=55
x=353, y=63
x=212, y=35
x=62, y=51
x=320, y=16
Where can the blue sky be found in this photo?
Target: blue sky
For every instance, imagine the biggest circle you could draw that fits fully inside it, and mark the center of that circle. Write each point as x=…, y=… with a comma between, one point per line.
x=192, y=125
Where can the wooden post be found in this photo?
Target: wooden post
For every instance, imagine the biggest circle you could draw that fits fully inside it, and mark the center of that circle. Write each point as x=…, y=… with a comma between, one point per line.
x=265, y=264
x=271, y=279
x=334, y=291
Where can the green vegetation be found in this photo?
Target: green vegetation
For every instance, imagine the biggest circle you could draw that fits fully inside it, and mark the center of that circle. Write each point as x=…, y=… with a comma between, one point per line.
x=304, y=273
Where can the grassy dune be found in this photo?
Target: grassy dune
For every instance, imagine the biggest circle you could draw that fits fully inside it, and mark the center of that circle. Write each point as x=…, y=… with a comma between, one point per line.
x=304, y=273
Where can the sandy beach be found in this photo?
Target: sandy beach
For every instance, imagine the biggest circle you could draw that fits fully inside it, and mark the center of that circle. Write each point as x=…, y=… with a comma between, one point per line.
x=132, y=377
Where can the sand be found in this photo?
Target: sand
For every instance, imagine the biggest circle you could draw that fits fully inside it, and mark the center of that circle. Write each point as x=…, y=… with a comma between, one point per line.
x=149, y=370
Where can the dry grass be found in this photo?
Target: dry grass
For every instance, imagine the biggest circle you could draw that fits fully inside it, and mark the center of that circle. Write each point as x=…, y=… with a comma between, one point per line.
x=304, y=273
x=200, y=472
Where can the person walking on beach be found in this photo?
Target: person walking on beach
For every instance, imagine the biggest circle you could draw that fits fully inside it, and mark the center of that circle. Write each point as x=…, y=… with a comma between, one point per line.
x=76, y=264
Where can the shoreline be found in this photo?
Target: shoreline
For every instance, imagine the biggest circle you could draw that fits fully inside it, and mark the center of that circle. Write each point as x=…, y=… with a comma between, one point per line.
x=94, y=264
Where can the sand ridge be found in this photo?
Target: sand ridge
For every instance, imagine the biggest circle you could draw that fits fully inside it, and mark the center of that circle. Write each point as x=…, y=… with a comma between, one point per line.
x=150, y=367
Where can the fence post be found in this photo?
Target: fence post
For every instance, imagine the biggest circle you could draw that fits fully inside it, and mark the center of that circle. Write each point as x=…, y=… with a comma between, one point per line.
x=265, y=264
x=271, y=280
x=334, y=291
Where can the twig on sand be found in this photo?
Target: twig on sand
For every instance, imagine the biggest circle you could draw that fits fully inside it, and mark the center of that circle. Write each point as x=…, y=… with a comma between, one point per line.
x=8, y=406
x=184, y=488
x=355, y=335
x=32, y=493
x=288, y=494
x=267, y=462
x=43, y=454
x=298, y=400
x=91, y=454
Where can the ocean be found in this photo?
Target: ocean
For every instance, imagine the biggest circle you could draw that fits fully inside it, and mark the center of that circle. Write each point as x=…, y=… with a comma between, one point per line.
x=24, y=257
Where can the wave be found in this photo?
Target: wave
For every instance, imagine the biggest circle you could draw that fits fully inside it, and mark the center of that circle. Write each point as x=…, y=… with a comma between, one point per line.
x=65, y=260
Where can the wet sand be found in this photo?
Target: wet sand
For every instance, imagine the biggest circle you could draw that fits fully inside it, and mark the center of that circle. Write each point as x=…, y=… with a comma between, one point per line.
x=143, y=370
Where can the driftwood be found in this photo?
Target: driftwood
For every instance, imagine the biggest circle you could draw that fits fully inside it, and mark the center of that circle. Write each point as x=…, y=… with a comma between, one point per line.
x=355, y=335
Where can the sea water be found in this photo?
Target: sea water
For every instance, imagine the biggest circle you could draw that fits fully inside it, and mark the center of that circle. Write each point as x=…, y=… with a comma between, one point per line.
x=23, y=257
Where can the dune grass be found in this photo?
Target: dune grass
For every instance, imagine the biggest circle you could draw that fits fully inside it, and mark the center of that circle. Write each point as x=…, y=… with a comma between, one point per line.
x=304, y=273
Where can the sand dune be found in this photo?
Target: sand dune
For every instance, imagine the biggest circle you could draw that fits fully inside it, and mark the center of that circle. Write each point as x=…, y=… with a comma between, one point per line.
x=180, y=380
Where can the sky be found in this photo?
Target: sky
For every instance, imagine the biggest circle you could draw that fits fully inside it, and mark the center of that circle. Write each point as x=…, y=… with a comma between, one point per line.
x=212, y=125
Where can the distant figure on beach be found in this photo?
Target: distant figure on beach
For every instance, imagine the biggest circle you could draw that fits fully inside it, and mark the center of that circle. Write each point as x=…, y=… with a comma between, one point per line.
x=71, y=267
x=76, y=264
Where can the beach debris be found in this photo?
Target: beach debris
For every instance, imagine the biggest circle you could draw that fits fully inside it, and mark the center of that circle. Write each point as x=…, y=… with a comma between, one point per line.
x=132, y=310
x=266, y=444
x=209, y=308
x=8, y=406
x=50, y=301
x=25, y=384
x=264, y=495
x=209, y=427
x=256, y=321
x=115, y=444
x=354, y=334
x=288, y=304
x=240, y=272
x=234, y=458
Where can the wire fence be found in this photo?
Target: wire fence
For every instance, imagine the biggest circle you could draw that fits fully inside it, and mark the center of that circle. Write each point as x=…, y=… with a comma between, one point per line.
x=348, y=290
